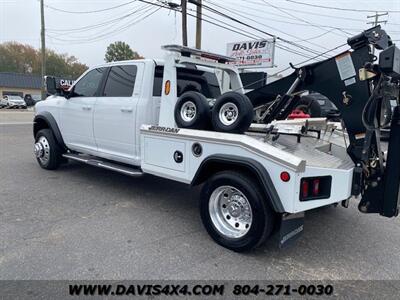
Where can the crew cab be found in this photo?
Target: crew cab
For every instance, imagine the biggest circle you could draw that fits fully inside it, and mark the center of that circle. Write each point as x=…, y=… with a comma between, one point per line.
x=186, y=118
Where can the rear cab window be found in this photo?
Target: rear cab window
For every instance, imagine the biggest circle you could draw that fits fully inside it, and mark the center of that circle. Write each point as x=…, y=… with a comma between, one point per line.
x=189, y=79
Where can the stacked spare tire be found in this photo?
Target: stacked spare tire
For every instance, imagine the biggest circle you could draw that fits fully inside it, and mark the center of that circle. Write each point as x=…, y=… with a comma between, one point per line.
x=232, y=112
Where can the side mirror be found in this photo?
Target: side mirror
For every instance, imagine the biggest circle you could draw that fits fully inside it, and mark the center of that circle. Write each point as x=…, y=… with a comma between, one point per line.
x=51, y=86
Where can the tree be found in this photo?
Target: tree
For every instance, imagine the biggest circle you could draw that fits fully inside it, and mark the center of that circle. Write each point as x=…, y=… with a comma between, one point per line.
x=19, y=58
x=120, y=51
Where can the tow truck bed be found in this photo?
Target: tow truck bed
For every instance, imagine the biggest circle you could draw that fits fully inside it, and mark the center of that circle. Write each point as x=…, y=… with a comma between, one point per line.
x=311, y=150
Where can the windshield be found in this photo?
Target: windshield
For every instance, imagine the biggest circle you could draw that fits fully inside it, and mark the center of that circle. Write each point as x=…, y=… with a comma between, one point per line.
x=15, y=98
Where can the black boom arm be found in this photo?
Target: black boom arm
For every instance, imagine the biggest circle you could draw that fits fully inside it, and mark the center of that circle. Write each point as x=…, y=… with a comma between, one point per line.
x=352, y=81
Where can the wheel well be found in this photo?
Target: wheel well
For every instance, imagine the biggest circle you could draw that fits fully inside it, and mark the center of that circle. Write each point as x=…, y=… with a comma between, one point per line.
x=39, y=125
x=212, y=168
x=248, y=168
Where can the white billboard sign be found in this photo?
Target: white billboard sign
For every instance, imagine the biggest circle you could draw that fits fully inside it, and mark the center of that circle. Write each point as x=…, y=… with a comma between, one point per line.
x=253, y=54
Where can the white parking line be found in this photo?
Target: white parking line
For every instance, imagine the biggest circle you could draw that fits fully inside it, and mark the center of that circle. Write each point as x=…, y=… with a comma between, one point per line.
x=17, y=123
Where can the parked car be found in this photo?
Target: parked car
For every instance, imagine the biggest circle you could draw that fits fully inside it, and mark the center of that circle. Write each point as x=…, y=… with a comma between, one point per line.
x=37, y=98
x=29, y=100
x=13, y=102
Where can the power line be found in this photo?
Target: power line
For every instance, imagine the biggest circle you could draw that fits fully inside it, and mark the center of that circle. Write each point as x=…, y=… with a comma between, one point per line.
x=340, y=8
x=174, y=8
x=245, y=33
x=106, y=31
x=376, y=17
x=298, y=18
x=166, y=6
x=262, y=31
x=95, y=26
x=313, y=24
x=311, y=13
x=90, y=11
x=145, y=14
x=315, y=37
x=239, y=14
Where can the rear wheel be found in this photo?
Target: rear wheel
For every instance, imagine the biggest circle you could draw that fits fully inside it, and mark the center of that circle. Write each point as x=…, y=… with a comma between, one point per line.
x=235, y=212
x=47, y=151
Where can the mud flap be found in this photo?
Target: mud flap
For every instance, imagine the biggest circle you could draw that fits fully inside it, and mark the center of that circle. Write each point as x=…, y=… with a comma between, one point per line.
x=392, y=172
x=291, y=227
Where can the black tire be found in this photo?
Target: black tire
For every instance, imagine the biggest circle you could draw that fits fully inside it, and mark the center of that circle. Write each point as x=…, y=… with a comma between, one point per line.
x=232, y=102
x=263, y=216
x=201, y=117
x=55, y=151
x=310, y=106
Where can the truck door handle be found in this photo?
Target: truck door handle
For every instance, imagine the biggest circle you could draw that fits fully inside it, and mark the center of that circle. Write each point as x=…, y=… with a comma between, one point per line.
x=86, y=107
x=127, y=109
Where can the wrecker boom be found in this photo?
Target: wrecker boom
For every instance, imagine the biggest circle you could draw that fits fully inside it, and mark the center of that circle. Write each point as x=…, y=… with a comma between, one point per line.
x=358, y=86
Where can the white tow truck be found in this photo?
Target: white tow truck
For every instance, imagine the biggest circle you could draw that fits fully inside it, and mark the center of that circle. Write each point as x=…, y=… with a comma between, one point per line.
x=186, y=118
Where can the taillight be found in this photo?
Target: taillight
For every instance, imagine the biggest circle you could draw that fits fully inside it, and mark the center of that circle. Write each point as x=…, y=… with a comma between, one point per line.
x=304, y=189
x=285, y=176
x=313, y=188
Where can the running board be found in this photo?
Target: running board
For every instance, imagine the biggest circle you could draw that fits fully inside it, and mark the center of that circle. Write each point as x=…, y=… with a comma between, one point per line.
x=131, y=171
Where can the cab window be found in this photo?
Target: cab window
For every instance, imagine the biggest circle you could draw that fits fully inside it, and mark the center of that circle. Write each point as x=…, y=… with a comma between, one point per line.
x=120, y=81
x=190, y=79
x=89, y=84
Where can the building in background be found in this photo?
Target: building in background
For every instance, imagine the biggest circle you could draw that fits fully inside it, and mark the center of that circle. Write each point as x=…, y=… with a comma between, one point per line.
x=19, y=84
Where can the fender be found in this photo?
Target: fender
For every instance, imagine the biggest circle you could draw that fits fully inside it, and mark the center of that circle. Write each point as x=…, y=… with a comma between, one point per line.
x=214, y=162
x=48, y=118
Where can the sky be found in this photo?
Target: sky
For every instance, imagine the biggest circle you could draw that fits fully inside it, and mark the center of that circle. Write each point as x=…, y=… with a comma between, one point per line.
x=314, y=29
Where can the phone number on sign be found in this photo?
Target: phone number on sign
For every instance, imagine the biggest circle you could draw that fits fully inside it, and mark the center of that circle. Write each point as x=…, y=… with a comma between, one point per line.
x=283, y=290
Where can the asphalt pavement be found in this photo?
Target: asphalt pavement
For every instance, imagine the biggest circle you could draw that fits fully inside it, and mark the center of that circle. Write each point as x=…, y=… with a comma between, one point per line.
x=80, y=222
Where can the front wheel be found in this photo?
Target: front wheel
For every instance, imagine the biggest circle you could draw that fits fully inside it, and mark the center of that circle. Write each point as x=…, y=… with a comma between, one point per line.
x=234, y=211
x=47, y=151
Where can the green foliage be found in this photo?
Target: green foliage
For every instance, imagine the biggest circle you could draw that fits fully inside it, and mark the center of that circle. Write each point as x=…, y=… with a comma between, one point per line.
x=19, y=58
x=120, y=51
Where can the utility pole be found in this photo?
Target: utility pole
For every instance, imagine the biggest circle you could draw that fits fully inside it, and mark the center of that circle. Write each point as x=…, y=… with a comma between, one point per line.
x=376, y=22
x=198, y=23
x=184, y=22
x=43, y=46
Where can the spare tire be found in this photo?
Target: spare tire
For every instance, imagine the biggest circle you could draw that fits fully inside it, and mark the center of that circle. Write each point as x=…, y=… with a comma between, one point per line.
x=310, y=106
x=232, y=112
x=192, y=111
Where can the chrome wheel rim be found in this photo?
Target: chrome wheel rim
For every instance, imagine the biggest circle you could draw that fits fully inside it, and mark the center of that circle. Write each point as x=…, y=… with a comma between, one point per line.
x=42, y=150
x=228, y=113
x=188, y=111
x=230, y=212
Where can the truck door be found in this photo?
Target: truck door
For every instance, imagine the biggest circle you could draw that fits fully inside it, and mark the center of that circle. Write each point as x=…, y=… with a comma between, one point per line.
x=115, y=113
x=76, y=112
